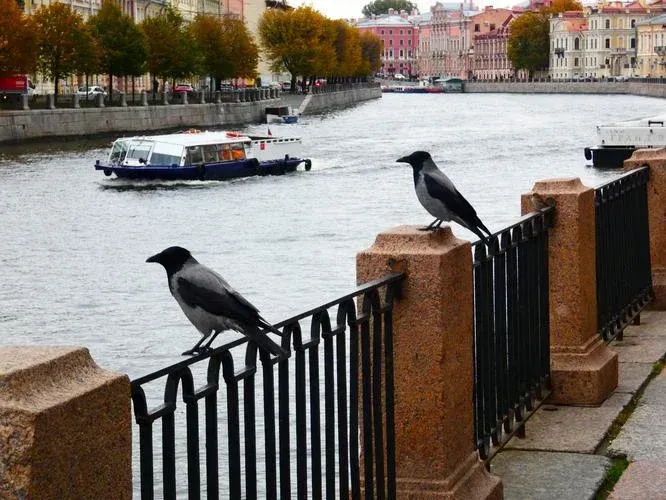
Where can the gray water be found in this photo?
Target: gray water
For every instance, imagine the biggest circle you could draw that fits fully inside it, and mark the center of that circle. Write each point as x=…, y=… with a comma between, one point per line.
x=73, y=243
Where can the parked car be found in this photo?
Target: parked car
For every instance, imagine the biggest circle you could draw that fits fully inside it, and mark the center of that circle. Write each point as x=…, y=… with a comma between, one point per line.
x=183, y=87
x=90, y=91
x=399, y=76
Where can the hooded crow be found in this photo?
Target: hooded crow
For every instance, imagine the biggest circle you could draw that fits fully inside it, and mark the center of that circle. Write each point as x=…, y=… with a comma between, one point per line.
x=210, y=303
x=440, y=197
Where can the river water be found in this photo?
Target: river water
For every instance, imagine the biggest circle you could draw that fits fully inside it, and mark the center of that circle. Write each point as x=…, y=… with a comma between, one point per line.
x=73, y=243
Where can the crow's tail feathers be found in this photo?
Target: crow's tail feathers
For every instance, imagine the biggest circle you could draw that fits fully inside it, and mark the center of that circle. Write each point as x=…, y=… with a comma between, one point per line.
x=265, y=343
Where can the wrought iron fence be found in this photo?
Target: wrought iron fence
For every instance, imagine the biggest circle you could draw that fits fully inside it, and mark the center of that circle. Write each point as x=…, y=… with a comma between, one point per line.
x=511, y=329
x=624, y=276
x=357, y=380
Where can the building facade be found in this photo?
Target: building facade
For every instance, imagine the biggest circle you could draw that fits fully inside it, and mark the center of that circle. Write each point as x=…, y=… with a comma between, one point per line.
x=490, y=37
x=651, y=47
x=400, y=41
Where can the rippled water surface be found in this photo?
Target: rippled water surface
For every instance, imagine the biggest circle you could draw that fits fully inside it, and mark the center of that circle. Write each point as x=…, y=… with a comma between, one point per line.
x=73, y=243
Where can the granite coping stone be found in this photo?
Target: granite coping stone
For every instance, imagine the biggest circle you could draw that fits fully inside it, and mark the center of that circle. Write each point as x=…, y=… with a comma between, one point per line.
x=642, y=479
x=539, y=475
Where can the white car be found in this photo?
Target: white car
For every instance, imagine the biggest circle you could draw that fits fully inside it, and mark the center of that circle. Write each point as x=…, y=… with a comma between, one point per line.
x=91, y=91
x=399, y=76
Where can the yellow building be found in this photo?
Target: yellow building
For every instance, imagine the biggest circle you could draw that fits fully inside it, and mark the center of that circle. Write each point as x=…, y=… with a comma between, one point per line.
x=651, y=47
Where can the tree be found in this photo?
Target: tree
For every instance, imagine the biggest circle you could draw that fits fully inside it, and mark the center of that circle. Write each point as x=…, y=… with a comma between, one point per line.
x=121, y=43
x=382, y=7
x=347, y=48
x=243, y=51
x=528, y=46
x=172, y=49
x=292, y=40
x=371, y=54
x=18, y=41
x=61, y=33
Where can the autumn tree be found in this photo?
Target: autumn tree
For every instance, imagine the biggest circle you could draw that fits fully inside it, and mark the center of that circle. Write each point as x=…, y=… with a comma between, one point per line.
x=18, y=41
x=347, y=48
x=243, y=50
x=61, y=34
x=528, y=46
x=292, y=40
x=371, y=54
x=172, y=50
x=121, y=43
x=382, y=7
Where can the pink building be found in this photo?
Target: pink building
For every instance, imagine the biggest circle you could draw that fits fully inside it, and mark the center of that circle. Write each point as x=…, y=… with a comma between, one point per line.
x=400, y=41
x=490, y=37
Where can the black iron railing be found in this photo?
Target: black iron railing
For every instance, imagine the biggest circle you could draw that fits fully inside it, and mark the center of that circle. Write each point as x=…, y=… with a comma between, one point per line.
x=271, y=444
x=511, y=329
x=624, y=276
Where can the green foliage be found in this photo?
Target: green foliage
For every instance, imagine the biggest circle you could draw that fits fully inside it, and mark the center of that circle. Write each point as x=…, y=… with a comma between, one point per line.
x=18, y=41
x=382, y=6
x=61, y=32
x=528, y=46
x=120, y=43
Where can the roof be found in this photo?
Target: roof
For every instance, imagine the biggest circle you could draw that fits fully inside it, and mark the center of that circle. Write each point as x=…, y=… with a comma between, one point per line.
x=653, y=21
x=384, y=20
x=193, y=139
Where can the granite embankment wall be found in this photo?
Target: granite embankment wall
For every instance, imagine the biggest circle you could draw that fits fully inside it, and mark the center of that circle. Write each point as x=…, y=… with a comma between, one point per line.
x=321, y=102
x=35, y=124
x=634, y=88
x=16, y=126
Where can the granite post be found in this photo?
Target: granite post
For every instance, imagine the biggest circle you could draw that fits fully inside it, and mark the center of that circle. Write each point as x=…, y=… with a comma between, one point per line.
x=656, y=191
x=433, y=360
x=65, y=429
x=584, y=370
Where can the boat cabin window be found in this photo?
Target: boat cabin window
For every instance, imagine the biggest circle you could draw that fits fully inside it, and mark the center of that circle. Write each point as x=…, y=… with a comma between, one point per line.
x=237, y=151
x=194, y=155
x=118, y=152
x=215, y=153
x=139, y=151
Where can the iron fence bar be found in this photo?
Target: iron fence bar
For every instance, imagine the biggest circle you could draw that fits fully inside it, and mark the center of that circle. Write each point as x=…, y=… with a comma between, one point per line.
x=624, y=283
x=511, y=339
x=371, y=354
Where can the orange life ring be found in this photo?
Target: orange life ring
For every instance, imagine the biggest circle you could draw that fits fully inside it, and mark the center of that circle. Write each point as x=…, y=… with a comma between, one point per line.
x=193, y=131
x=234, y=134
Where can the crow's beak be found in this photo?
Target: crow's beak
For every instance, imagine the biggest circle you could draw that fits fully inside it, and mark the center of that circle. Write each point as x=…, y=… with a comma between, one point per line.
x=154, y=258
x=404, y=159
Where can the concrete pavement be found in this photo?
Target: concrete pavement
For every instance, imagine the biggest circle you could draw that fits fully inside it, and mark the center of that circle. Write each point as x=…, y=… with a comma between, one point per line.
x=566, y=453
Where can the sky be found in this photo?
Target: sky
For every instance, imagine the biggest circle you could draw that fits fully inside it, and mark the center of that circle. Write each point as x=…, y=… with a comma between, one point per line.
x=336, y=9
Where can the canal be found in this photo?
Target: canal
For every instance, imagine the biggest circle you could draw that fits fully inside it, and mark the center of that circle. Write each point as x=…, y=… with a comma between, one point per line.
x=74, y=242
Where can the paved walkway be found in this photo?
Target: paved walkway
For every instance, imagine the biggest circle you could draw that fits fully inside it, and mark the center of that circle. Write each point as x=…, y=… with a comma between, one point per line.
x=564, y=455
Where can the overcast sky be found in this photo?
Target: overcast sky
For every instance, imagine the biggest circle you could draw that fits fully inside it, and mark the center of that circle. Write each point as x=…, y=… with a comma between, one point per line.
x=336, y=9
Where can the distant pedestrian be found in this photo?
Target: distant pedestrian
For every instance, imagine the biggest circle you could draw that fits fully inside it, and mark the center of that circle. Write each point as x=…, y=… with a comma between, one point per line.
x=156, y=85
x=166, y=86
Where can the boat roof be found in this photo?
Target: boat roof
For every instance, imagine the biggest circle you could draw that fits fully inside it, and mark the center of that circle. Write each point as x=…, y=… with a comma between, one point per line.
x=197, y=138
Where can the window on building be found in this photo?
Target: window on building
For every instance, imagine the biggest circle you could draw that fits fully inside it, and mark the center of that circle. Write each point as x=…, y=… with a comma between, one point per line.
x=409, y=42
x=633, y=23
x=633, y=62
x=401, y=32
x=608, y=43
x=632, y=42
x=575, y=62
x=382, y=32
x=402, y=42
x=577, y=44
x=492, y=27
x=391, y=43
x=409, y=32
x=607, y=24
x=402, y=54
x=390, y=32
x=477, y=28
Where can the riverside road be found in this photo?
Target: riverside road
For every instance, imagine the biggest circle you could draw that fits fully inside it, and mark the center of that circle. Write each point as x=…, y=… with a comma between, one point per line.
x=75, y=242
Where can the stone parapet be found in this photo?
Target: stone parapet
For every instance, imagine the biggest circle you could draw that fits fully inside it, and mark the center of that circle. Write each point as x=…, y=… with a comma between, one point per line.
x=583, y=369
x=433, y=363
x=65, y=429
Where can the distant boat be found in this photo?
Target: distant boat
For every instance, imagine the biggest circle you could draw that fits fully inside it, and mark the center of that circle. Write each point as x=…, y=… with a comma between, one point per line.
x=618, y=141
x=197, y=155
x=281, y=114
x=289, y=118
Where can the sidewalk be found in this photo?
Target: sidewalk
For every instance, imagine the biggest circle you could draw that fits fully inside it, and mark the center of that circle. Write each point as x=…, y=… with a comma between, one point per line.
x=564, y=454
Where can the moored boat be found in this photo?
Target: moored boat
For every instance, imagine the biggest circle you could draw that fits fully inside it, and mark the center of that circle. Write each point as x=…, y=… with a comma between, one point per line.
x=197, y=155
x=618, y=141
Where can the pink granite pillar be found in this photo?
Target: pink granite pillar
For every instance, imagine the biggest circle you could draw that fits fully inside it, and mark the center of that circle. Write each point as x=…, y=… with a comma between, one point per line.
x=583, y=369
x=656, y=191
x=433, y=360
x=65, y=427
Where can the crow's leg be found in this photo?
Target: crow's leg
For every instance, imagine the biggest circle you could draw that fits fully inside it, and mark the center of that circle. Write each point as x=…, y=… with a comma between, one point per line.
x=431, y=226
x=439, y=224
x=211, y=340
x=197, y=347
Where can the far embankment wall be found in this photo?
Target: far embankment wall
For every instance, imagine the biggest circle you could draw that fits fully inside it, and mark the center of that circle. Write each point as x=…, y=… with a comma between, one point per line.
x=634, y=88
x=35, y=124
x=323, y=101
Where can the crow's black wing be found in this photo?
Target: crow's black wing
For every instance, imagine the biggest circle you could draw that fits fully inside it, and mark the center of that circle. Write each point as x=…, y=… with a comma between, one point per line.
x=218, y=301
x=441, y=188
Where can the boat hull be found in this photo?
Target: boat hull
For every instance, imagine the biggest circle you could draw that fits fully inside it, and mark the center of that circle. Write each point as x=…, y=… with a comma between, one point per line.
x=608, y=156
x=211, y=171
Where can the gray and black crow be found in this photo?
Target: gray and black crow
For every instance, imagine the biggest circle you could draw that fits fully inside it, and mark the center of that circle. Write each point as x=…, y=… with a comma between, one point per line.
x=440, y=197
x=210, y=303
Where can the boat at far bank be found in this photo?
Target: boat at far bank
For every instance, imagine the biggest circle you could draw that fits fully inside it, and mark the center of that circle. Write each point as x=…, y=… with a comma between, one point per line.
x=618, y=141
x=197, y=155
